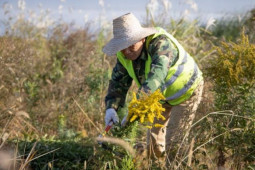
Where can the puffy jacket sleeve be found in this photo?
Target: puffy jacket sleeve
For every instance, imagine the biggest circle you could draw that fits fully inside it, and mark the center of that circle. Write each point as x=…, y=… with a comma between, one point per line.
x=118, y=86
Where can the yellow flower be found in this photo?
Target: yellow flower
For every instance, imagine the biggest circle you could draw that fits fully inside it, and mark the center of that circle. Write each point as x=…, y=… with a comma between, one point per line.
x=146, y=108
x=133, y=118
x=158, y=125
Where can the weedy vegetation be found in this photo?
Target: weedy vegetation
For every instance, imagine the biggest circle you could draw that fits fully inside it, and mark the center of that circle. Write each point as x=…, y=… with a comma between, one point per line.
x=53, y=79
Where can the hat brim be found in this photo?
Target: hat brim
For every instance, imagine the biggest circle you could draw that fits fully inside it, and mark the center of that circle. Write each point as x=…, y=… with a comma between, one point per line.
x=117, y=44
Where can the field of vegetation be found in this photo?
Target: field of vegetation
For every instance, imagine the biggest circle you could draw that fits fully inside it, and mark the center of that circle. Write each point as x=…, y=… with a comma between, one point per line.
x=53, y=80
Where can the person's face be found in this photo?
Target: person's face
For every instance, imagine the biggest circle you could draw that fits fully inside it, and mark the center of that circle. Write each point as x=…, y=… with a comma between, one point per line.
x=133, y=51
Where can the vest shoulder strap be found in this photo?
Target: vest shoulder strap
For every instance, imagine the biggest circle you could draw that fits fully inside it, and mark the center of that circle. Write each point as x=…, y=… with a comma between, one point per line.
x=128, y=66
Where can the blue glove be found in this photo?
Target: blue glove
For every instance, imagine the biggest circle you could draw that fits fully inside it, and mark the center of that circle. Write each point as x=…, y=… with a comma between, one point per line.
x=111, y=115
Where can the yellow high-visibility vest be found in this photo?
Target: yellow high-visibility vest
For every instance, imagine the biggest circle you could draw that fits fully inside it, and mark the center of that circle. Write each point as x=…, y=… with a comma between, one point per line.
x=182, y=78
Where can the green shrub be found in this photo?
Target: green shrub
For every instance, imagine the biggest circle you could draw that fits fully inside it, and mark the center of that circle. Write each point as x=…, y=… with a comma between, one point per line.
x=231, y=132
x=54, y=154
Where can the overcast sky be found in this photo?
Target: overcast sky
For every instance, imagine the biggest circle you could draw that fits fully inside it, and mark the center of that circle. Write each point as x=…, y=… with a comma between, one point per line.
x=81, y=11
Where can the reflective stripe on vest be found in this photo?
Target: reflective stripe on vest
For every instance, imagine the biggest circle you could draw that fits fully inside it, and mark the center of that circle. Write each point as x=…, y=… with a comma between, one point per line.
x=186, y=86
x=182, y=78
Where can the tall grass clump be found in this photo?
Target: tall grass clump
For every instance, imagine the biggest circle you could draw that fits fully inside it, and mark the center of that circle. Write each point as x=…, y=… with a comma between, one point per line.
x=44, y=69
x=229, y=28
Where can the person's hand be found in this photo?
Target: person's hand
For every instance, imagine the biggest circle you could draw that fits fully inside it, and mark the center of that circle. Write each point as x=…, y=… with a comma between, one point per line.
x=111, y=115
x=124, y=121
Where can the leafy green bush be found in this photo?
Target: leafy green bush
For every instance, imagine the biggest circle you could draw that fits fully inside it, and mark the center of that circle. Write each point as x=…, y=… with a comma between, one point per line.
x=54, y=154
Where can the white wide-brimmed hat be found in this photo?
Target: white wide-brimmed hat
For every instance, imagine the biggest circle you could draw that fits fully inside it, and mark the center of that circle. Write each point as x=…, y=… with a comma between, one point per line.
x=127, y=31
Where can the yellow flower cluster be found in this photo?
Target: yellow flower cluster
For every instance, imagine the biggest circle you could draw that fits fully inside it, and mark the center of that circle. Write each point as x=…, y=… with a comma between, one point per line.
x=234, y=64
x=146, y=108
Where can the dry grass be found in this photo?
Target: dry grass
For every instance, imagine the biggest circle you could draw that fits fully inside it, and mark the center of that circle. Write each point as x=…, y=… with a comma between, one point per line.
x=120, y=142
x=42, y=77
